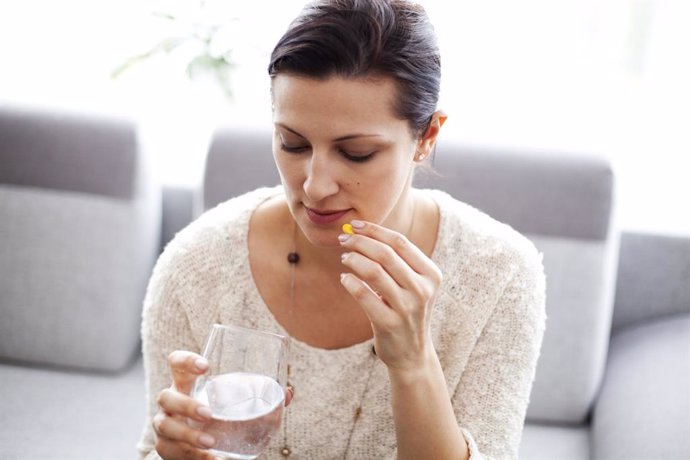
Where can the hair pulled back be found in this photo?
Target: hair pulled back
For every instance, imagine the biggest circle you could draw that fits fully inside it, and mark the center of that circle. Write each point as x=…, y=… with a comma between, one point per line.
x=367, y=39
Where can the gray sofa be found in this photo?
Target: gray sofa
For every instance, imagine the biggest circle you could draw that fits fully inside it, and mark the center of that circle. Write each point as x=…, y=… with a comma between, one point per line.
x=80, y=221
x=612, y=381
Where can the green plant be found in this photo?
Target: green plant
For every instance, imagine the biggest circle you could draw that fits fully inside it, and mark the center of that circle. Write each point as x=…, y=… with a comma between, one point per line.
x=201, y=41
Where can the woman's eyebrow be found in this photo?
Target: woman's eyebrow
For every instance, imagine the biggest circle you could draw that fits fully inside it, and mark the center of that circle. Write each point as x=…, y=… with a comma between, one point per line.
x=355, y=136
x=287, y=128
x=339, y=139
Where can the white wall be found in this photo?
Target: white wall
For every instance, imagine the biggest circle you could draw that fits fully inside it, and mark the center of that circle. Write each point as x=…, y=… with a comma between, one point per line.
x=607, y=76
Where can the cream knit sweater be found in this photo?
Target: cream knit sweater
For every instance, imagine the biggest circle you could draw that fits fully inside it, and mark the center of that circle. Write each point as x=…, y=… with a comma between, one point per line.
x=487, y=328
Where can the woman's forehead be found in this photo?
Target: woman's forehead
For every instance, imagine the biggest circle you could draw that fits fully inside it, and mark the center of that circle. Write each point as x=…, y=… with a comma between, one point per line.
x=352, y=103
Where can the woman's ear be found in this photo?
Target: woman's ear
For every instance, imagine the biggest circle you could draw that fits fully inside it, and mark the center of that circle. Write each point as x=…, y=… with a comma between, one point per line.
x=426, y=143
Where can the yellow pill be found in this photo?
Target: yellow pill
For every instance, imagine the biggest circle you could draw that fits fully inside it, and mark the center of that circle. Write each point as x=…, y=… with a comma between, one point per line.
x=347, y=228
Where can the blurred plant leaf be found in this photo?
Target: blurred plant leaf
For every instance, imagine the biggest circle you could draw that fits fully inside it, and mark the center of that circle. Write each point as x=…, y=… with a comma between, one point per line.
x=162, y=15
x=202, y=64
x=217, y=66
x=165, y=46
x=214, y=59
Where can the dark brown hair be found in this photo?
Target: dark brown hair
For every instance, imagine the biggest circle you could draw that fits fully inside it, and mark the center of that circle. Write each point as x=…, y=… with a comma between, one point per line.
x=367, y=38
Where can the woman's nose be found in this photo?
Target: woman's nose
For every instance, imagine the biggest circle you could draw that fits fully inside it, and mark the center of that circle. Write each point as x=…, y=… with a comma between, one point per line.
x=320, y=177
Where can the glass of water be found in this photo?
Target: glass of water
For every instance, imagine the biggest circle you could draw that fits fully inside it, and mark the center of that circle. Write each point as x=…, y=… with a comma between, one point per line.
x=245, y=389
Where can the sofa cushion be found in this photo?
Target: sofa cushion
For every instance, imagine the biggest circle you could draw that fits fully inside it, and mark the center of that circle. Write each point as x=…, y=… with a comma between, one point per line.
x=647, y=386
x=179, y=204
x=73, y=271
x=67, y=152
x=545, y=193
x=579, y=291
x=247, y=155
x=553, y=442
x=75, y=254
x=563, y=204
x=46, y=414
x=653, y=278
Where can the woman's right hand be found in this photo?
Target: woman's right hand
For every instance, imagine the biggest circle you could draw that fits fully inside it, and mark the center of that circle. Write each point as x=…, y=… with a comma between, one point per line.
x=175, y=438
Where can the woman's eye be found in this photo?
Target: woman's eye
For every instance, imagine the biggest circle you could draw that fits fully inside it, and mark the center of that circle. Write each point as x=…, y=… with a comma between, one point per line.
x=356, y=157
x=350, y=156
x=294, y=149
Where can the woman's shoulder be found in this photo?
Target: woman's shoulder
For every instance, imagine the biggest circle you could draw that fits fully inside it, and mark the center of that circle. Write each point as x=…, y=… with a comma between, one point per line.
x=481, y=258
x=224, y=226
x=472, y=235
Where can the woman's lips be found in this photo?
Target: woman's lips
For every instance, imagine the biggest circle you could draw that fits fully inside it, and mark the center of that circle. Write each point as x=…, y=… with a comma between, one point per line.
x=325, y=217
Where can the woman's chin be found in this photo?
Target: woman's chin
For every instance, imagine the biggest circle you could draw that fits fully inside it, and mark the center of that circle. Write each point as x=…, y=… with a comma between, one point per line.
x=323, y=240
x=320, y=237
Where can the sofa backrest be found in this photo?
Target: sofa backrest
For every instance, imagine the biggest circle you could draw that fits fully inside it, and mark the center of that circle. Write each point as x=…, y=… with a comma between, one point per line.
x=79, y=225
x=70, y=153
x=563, y=203
x=237, y=162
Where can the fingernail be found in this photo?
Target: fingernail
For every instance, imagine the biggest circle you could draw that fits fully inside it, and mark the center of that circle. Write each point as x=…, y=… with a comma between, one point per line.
x=201, y=364
x=344, y=256
x=347, y=228
x=207, y=440
x=204, y=411
x=357, y=224
x=343, y=237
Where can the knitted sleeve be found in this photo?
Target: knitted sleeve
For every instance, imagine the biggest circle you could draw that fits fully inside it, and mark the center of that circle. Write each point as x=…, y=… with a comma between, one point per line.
x=165, y=328
x=491, y=398
x=180, y=306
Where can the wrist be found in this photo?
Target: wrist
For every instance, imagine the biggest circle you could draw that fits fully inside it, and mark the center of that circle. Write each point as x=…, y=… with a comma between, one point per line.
x=414, y=375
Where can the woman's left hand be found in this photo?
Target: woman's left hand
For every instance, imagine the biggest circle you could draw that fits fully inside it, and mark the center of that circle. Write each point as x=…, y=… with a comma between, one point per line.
x=396, y=285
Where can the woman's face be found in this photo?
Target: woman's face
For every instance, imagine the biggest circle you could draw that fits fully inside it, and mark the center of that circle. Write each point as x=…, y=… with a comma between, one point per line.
x=342, y=154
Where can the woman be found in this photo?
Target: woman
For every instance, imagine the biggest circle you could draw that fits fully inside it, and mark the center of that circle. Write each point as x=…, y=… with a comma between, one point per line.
x=416, y=336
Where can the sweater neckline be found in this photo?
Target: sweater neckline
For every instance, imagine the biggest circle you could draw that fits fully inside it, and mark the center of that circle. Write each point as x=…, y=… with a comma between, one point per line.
x=259, y=305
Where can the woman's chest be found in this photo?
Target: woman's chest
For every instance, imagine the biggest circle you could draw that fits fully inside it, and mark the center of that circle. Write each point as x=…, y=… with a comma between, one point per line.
x=312, y=307
x=341, y=409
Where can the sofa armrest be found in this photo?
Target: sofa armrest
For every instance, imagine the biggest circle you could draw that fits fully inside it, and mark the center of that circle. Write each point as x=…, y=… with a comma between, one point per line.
x=643, y=410
x=77, y=249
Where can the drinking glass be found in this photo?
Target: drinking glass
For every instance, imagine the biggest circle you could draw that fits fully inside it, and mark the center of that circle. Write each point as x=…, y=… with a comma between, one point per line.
x=245, y=389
